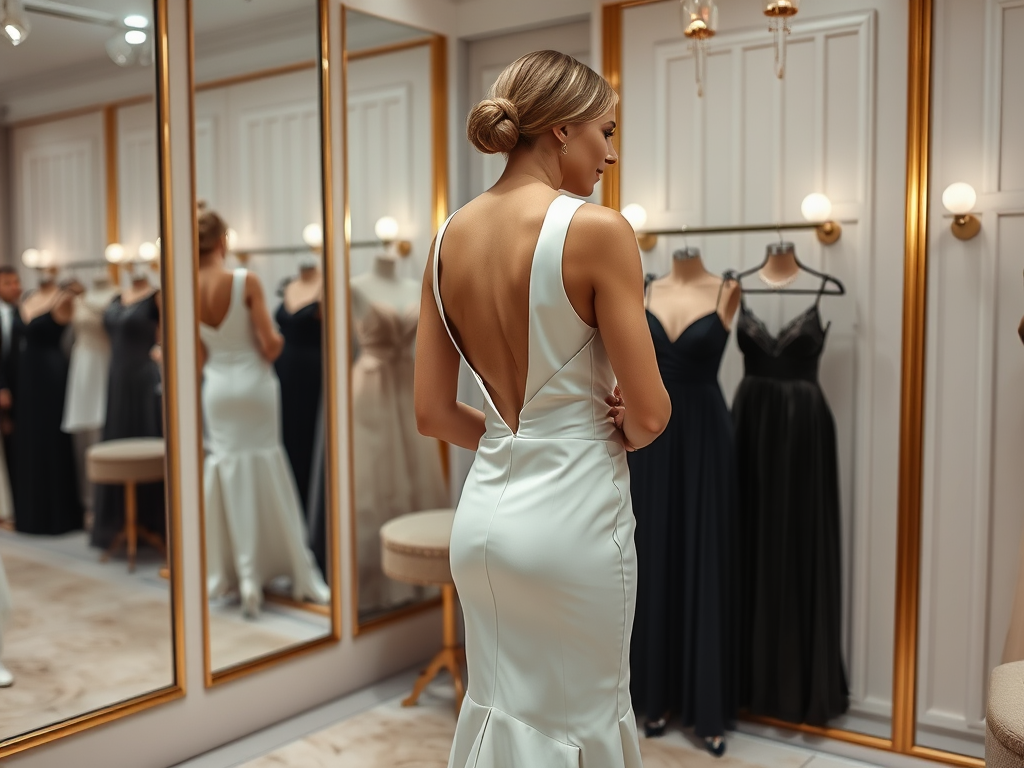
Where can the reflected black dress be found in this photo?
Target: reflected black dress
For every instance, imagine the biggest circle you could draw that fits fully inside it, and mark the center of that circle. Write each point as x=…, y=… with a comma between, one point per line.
x=300, y=371
x=684, y=492
x=46, y=495
x=133, y=410
x=791, y=609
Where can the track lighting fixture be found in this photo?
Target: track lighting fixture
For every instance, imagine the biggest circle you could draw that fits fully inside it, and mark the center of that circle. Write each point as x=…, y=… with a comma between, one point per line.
x=14, y=22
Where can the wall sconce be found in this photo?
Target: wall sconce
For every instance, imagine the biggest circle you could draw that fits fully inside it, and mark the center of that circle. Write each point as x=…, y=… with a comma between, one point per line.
x=817, y=207
x=313, y=236
x=386, y=229
x=114, y=253
x=147, y=251
x=636, y=215
x=958, y=198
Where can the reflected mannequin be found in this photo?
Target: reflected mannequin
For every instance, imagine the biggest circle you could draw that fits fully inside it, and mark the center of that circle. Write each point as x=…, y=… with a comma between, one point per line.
x=254, y=527
x=397, y=470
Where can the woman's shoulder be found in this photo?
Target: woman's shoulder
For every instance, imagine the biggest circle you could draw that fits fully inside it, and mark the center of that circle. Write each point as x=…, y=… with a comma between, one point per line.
x=597, y=230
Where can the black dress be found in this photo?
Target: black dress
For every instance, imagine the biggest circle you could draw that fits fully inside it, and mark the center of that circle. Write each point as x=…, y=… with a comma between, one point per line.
x=300, y=370
x=791, y=608
x=133, y=410
x=47, y=499
x=683, y=487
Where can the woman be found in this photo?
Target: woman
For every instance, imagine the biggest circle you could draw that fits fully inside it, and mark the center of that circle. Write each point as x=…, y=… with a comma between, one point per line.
x=543, y=297
x=254, y=524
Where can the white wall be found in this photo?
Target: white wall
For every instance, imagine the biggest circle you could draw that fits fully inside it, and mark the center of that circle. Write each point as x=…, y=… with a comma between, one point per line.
x=748, y=152
x=974, y=415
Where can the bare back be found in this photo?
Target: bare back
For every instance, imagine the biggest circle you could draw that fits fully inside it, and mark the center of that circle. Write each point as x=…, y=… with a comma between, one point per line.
x=214, y=296
x=484, y=276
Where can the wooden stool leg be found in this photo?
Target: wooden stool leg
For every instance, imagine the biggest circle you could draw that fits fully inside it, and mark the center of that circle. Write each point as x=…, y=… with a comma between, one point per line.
x=451, y=657
x=131, y=512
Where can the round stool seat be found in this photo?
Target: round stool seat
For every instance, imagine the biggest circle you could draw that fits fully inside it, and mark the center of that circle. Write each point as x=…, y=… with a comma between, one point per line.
x=130, y=460
x=415, y=547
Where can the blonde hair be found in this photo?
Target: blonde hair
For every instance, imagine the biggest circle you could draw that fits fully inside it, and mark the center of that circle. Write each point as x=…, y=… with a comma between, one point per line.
x=211, y=228
x=534, y=94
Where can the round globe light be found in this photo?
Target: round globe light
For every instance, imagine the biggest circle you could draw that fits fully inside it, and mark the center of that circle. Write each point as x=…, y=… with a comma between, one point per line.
x=46, y=259
x=386, y=229
x=636, y=215
x=30, y=258
x=816, y=207
x=114, y=253
x=136, y=22
x=147, y=251
x=313, y=235
x=959, y=198
x=135, y=37
x=232, y=239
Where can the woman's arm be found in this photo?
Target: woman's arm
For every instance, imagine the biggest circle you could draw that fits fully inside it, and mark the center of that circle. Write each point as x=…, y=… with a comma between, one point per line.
x=269, y=341
x=438, y=413
x=605, y=242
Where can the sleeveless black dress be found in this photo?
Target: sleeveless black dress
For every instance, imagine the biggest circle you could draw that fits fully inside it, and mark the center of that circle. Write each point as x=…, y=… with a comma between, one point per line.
x=300, y=371
x=134, y=409
x=46, y=495
x=684, y=492
x=790, y=614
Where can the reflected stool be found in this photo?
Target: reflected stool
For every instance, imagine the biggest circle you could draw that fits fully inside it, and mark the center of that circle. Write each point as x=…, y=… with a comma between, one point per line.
x=128, y=462
x=1004, y=721
x=415, y=551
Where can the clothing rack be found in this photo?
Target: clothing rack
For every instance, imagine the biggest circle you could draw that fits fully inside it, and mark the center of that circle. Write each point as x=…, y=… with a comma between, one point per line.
x=84, y=264
x=734, y=228
x=277, y=250
x=366, y=244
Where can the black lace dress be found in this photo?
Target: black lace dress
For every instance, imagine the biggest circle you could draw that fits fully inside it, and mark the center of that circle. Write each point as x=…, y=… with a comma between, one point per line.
x=684, y=492
x=790, y=612
x=46, y=495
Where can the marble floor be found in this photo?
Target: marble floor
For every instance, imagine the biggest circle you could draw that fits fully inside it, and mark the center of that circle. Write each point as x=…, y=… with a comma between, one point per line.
x=370, y=729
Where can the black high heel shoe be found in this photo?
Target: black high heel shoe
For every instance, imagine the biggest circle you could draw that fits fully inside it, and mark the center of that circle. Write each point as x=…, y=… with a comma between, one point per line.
x=655, y=728
x=715, y=745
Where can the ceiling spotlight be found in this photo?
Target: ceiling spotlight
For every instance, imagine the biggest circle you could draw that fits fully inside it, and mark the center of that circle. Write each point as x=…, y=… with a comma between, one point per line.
x=135, y=37
x=13, y=21
x=136, y=22
x=119, y=51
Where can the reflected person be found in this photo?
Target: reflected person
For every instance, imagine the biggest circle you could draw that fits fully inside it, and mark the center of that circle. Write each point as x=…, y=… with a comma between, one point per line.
x=10, y=338
x=254, y=524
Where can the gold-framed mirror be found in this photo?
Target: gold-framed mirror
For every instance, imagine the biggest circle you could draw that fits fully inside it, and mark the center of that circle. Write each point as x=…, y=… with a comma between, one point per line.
x=264, y=307
x=91, y=597
x=395, y=94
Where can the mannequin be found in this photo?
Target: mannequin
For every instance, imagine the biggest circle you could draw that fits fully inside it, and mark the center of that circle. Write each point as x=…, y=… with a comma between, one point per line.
x=684, y=493
x=139, y=289
x=780, y=267
x=397, y=470
x=306, y=289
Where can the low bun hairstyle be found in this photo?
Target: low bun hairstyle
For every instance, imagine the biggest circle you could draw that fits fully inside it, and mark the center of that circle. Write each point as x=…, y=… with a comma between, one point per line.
x=211, y=228
x=534, y=94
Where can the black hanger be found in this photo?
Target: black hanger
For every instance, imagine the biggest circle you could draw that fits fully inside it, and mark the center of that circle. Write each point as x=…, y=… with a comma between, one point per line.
x=837, y=289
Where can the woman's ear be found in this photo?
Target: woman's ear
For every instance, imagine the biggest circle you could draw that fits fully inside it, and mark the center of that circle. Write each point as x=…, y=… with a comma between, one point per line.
x=561, y=133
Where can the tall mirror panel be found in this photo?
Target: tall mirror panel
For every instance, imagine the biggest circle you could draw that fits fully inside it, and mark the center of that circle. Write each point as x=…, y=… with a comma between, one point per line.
x=772, y=167
x=86, y=605
x=261, y=308
x=392, y=172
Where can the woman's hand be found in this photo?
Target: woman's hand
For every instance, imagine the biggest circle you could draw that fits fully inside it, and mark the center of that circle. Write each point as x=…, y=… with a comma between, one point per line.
x=617, y=415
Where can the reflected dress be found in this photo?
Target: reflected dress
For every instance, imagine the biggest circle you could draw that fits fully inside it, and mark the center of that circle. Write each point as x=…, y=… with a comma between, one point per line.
x=685, y=496
x=790, y=612
x=542, y=551
x=133, y=410
x=254, y=525
x=46, y=499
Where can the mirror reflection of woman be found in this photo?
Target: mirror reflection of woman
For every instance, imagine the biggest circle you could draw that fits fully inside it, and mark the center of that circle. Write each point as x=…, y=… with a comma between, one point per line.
x=542, y=294
x=254, y=524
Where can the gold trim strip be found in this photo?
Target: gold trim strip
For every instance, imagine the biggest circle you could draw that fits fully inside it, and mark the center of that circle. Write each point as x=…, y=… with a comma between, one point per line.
x=611, y=61
x=380, y=50
x=110, y=151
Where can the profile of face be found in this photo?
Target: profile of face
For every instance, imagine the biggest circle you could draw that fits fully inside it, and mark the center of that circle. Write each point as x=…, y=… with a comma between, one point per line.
x=589, y=151
x=10, y=287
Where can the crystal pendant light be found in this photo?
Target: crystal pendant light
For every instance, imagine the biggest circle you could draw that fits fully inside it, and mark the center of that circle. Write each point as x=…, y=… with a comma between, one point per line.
x=779, y=13
x=699, y=20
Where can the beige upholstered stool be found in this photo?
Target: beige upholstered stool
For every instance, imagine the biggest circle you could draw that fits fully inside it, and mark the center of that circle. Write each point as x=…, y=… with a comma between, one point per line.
x=128, y=462
x=415, y=550
x=1004, y=721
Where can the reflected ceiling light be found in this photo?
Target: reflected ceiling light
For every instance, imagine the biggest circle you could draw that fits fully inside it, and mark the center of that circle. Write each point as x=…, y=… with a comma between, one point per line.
x=386, y=229
x=120, y=51
x=30, y=258
x=135, y=37
x=779, y=12
x=147, y=251
x=46, y=259
x=13, y=21
x=817, y=208
x=114, y=253
x=232, y=240
x=313, y=236
x=959, y=198
x=636, y=215
x=136, y=22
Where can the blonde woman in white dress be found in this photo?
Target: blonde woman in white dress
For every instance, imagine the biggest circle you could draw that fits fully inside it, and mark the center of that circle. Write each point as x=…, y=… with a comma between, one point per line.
x=542, y=295
x=255, y=531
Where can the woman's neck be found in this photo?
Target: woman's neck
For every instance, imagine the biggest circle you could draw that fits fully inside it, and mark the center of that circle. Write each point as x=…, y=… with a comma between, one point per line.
x=385, y=267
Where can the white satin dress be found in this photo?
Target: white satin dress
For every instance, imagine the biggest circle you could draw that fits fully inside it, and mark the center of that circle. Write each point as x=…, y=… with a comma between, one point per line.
x=542, y=552
x=254, y=524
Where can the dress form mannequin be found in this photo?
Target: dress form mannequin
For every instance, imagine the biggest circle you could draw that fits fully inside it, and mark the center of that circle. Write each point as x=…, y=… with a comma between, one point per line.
x=383, y=285
x=306, y=289
x=139, y=289
x=689, y=292
x=781, y=268
x=47, y=297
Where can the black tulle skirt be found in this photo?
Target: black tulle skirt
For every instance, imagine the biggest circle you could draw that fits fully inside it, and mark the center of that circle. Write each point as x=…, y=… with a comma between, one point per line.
x=790, y=609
